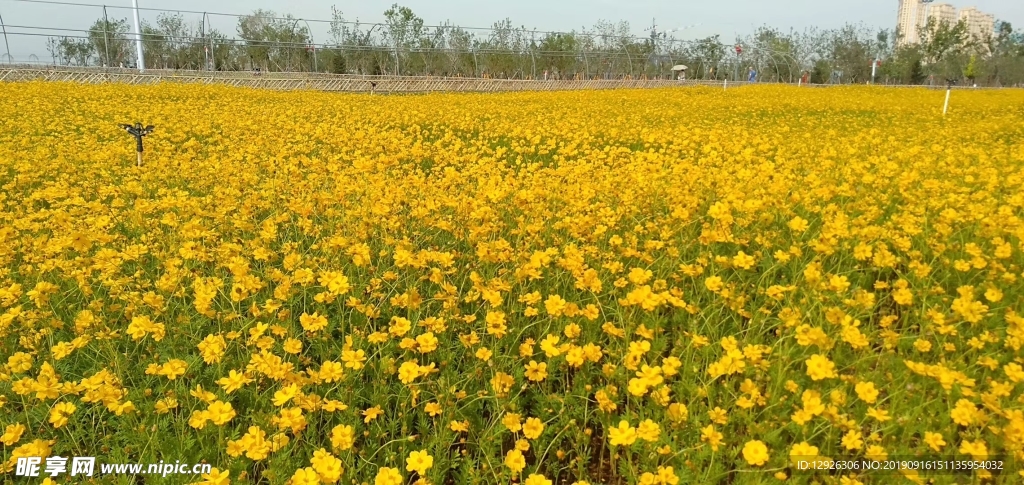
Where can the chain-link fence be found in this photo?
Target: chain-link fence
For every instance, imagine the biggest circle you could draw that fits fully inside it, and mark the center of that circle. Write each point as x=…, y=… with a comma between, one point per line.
x=190, y=40
x=103, y=36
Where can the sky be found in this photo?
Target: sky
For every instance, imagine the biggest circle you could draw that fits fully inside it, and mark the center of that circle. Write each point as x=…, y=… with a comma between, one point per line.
x=697, y=18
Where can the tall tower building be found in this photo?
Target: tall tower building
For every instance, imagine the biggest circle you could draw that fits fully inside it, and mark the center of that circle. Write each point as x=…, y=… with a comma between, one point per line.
x=909, y=19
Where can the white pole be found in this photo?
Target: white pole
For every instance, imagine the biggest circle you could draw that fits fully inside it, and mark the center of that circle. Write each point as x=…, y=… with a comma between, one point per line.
x=138, y=36
x=946, y=105
x=874, y=64
x=800, y=81
x=725, y=85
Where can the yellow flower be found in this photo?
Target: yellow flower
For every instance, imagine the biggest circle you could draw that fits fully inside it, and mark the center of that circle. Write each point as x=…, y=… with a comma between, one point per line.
x=622, y=435
x=879, y=415
x=484, y=354
x=328, y=467
x=512, y=421
x=343, y=437
x=713, y=283
x=677, y=412
x=426, y=343
x=934, y=440
x=648, y=430
x=802, y=451
x=852, y=440
x=215, y=477
x=285, y=394
x=371, y=414
x=533, y=428
x=19, y=362
x=305, y=476
x=798, y=224
x=977, y=449
x=313, y=323
x=60, y=413
x=876, y=452
x=432, y=408
x=667, y=476
x=233, y=381
x=515, y=461
x=419, y=462
x=12, y=434
x=819, y=367
x=388, y=476
x=535, y=479
x=755, y=452
x=866, y=392
x=536, y=372
x=292, y=346
x=408, y=372
x=220, y=412
x=711, y=436
x=743, y=260
x=718, y=415
x=964, y=413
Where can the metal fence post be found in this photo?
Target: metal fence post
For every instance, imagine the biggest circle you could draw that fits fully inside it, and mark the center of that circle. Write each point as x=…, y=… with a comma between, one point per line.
x=8, y=45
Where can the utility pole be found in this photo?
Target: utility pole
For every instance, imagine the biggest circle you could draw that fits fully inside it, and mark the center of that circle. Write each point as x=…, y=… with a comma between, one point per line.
x=138, y=36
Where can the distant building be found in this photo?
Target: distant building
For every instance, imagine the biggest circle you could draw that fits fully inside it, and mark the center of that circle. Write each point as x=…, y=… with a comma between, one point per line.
x=942, y=13
x=909, y=19
x=913, y=16
x=979, y=25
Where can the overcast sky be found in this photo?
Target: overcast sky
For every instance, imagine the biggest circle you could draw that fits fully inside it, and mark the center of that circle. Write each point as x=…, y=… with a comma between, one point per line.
x=727, y=18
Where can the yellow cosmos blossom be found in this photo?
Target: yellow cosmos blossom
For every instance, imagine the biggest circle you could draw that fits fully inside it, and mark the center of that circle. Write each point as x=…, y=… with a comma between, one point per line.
x=533, y=428
x=572, y=261
x=622, y=435
x=419, y=462
x=755, y=453
x=515, y=461
x=820, y=367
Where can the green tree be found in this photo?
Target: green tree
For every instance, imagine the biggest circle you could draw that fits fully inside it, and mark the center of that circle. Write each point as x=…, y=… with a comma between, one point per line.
x=557, y=53
x=971, y=71
x=275, y=43
x=110, y=41
x=402, y=30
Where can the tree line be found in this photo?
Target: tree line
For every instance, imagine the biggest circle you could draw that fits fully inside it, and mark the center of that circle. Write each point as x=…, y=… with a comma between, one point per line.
x=404, y=45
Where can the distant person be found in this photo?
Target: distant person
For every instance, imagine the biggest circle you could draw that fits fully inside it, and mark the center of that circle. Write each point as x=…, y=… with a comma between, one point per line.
x=753, y=75
x=806, y=77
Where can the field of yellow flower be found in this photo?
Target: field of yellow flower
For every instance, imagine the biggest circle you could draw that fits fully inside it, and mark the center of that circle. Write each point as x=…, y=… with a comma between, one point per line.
x=686, y=285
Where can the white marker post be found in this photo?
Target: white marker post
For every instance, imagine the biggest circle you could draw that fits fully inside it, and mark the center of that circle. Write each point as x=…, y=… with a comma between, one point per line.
x=874, y=65
x=725, y=84
x=945, y=106
x=138, y=37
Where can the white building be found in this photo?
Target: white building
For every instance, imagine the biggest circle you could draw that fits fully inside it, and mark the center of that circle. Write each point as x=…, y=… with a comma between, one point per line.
x=913, y=16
